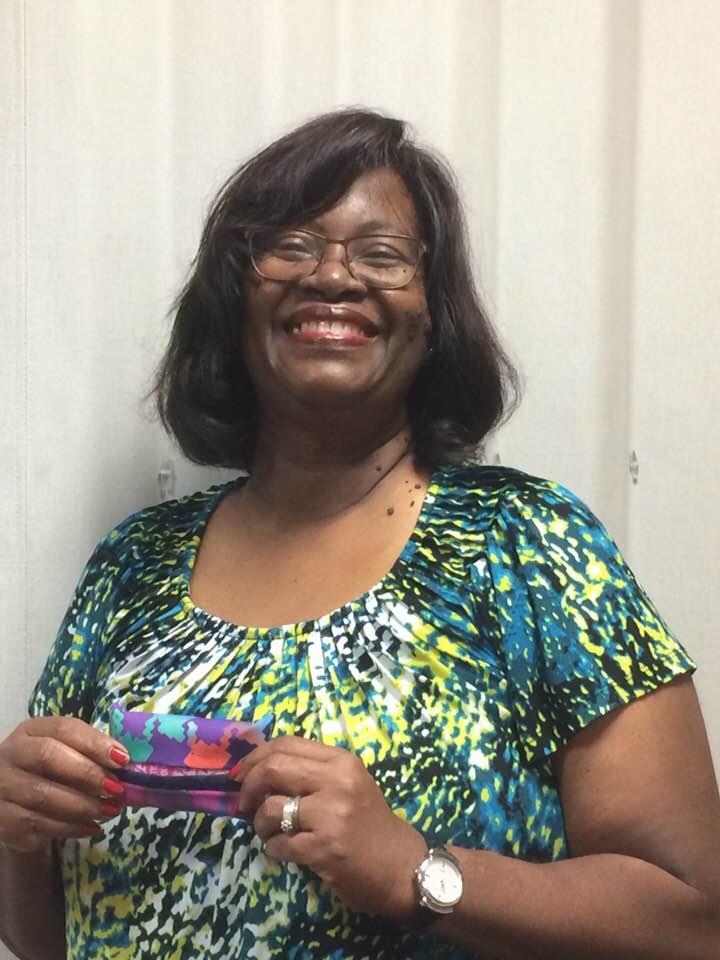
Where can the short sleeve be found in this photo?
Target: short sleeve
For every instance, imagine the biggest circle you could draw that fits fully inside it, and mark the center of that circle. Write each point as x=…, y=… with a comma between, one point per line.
x=578, y=634
x=67, y=684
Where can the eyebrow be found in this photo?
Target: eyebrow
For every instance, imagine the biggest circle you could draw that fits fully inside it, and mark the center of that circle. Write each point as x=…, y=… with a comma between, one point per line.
x=369, y=227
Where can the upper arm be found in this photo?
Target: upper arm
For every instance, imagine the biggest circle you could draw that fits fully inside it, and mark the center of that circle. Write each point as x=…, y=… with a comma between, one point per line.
x=640, y=782
x=579, y=636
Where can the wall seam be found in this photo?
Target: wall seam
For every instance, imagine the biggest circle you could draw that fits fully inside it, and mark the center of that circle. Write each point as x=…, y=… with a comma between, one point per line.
x=25, y=376
x=618, y=272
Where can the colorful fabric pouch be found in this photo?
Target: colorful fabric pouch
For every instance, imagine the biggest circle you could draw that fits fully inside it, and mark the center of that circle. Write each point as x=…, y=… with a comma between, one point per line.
x=179, y=762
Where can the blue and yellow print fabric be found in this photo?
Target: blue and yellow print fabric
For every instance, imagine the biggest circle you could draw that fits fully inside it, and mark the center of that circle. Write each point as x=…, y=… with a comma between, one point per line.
x=508, y=623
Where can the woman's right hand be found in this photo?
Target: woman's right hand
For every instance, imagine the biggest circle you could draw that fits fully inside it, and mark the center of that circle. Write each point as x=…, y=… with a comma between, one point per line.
x=56, y=781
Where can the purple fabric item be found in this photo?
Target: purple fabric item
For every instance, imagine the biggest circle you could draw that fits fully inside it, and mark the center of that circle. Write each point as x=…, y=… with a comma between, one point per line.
x=172, y=747
x=217, y=802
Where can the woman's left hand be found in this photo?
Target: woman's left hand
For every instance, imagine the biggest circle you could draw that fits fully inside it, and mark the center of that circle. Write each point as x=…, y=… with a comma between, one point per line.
x=347, y=833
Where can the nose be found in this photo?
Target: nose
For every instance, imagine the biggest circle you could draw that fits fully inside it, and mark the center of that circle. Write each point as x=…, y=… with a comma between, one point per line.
x=332, y=278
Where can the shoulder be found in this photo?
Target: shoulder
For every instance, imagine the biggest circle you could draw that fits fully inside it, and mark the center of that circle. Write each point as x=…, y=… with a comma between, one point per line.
x=504, y=496
x=163, y=529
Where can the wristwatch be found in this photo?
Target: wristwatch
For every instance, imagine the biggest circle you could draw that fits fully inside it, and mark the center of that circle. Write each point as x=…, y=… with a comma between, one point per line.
x=439, y=884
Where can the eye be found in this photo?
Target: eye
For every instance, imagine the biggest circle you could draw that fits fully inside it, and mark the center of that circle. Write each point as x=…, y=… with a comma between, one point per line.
x=291, y=245
x=283, y=245
x=381, y=251
x=380, y=256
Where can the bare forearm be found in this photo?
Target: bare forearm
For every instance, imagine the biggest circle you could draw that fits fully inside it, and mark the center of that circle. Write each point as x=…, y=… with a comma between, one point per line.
x=597, y=907
x=31, y=888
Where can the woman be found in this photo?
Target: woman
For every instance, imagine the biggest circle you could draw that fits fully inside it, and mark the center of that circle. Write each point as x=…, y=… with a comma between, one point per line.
x=490, y=681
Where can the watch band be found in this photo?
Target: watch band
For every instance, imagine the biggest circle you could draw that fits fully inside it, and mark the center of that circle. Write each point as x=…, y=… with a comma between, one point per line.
x=424, y=916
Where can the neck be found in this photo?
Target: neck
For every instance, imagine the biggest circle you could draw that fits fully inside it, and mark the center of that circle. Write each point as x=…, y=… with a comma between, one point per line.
x=311, y=473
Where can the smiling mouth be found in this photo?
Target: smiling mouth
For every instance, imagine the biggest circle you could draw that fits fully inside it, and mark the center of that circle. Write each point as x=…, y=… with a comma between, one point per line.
x=329, y=331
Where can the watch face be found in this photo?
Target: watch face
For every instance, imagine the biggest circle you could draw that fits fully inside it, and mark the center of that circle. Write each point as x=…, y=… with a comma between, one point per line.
x=442, y=881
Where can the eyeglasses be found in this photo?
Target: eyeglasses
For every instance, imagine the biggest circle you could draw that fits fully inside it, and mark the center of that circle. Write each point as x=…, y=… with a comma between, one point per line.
x=380, y=260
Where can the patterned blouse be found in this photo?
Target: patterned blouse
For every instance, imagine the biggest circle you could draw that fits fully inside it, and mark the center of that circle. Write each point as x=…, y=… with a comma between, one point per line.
x=508, y=623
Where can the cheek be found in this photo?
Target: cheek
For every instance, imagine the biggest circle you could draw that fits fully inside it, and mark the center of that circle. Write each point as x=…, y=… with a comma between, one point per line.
x=256, y=297
x=261, y=300
x=418, y=326
x=414, y=318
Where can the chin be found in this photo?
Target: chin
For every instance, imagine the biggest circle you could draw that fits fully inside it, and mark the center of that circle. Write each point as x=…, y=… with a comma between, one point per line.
x=329, y=390
x=328, y=376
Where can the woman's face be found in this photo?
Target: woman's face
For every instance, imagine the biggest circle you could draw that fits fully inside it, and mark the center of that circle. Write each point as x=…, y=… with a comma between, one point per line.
x=302, y=366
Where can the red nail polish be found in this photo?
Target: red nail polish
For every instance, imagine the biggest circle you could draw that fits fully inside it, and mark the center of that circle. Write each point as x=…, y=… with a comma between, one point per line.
x=118, y=755
x=90, y=831
x=110, y=809
x=235, y=771
x=111, y=785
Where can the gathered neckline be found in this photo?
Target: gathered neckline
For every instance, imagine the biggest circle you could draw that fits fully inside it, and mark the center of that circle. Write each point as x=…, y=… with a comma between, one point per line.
x=310, y=625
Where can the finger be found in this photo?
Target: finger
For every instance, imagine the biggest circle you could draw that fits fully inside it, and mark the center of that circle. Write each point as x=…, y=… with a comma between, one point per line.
x=27, y=830
x=270, y=813
x=312, y=815
x=301, y=848
x=56, y=801
x=292, y=746
x=281, y=774
x=83, y=738
x=268, y=816
x=51, y=759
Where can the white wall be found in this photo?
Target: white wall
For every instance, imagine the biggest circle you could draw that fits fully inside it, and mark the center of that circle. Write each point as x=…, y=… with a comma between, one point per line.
x=564, y=247
x=674, y=528
x=608, y=281
x=586, y=137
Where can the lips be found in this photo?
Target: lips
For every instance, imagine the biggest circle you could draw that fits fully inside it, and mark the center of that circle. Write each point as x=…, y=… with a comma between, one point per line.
x=329, y=322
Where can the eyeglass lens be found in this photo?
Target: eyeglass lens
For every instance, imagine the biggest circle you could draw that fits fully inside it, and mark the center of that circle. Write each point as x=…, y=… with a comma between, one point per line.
x=381, y=261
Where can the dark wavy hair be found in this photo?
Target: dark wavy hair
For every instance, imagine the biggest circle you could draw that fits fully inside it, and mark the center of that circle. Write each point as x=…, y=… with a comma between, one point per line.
x=203, y=393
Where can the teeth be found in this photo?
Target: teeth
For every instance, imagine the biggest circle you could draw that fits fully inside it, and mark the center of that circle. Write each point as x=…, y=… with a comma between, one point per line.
x=336, y=327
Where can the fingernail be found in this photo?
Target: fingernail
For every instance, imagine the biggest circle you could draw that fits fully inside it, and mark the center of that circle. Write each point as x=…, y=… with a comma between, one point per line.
x=111, y=785
x=119, y=755
x=233, y=773
x=90, y=831
x=110, y=809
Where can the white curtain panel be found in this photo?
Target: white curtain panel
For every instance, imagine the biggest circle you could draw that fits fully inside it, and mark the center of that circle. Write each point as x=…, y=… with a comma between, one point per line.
x=586, y=136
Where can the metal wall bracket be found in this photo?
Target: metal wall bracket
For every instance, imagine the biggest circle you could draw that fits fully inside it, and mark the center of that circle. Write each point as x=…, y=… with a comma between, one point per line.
x=634, y=467
x=166, y=480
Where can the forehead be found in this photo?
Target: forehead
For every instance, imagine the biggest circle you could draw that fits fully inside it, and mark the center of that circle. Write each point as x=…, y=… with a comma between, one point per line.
x=378, y=201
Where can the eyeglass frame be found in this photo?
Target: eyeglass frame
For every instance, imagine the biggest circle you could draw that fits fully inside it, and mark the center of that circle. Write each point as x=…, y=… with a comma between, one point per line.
x=251, y=230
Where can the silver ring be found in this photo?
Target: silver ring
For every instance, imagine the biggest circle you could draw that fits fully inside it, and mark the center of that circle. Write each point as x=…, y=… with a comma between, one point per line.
x=290, y=822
